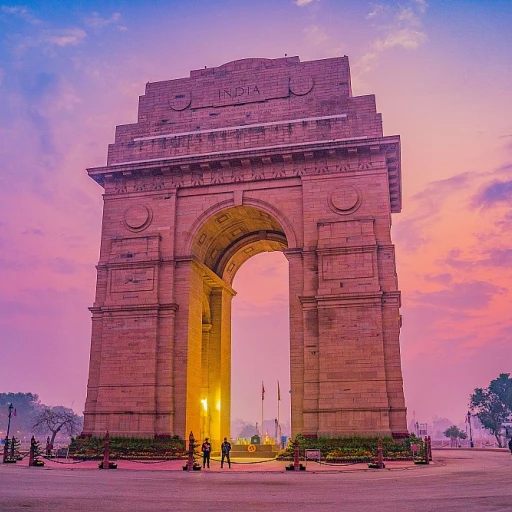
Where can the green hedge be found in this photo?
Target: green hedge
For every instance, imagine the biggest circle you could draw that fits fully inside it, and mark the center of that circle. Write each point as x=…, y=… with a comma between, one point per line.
x=356, y=448
x=128, y=448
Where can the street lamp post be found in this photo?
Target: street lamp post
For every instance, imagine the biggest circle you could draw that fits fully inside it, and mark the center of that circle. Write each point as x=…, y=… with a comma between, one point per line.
x=9, y=422
x=470, y=431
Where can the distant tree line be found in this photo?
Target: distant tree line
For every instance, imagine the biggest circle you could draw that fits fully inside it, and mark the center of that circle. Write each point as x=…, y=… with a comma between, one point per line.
x=493, y=405
x=30, y=416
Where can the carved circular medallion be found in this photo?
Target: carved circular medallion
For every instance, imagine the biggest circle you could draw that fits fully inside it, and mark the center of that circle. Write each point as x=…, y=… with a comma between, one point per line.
x=137, y=217
x=180, y=100
x=345, y=200
x=301, y=85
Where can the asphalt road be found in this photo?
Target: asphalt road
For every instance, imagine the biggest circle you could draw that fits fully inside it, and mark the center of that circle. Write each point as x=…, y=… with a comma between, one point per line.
x=458, y=481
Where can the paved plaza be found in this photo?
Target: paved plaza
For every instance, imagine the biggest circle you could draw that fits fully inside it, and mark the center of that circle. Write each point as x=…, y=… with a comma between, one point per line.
x=459, y=480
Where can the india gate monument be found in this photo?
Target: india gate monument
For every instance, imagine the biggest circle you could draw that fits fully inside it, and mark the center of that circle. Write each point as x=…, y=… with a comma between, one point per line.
x=254, y=155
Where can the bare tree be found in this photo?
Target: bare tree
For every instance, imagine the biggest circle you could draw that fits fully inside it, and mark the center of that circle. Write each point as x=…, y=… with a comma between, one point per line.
x=56, y=419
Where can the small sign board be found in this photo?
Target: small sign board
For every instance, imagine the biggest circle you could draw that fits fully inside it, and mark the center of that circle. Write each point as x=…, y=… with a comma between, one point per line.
x=313, y=455
x=415, y=448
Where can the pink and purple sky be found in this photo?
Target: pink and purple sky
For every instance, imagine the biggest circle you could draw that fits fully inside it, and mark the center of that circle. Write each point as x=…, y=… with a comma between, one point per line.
x=441, y=72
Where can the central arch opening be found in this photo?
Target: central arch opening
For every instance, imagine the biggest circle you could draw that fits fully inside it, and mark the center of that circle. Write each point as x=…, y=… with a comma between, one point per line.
x=223, y=243
x=260, y=347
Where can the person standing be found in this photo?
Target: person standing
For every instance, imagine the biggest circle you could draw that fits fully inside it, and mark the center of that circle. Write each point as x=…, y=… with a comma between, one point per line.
x=206, y=448
x=225, y=448
x=49, y=447
x=510, y=445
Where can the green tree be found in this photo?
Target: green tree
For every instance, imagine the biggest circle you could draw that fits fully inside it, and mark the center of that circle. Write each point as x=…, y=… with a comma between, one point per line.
x=56, y=419
x=454, y=433
x=489, y=407
x=502, y=388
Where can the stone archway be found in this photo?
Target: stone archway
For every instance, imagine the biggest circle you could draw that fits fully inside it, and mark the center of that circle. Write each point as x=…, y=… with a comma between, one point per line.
x=255, y=155
x=220, y=246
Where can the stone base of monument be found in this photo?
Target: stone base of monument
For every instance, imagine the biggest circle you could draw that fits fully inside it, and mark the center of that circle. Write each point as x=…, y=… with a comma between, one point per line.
x=253, y=451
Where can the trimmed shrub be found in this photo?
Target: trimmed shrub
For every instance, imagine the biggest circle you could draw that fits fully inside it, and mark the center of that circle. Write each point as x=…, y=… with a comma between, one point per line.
x=356, y=448
x=87, y=448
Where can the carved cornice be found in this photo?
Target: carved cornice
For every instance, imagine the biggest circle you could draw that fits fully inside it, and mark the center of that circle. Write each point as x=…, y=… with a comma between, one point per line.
x=342, y=300
x=134, y=308
x=300, y=160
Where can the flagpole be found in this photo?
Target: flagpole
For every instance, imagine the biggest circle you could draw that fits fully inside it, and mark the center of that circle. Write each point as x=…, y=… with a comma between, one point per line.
x=262, y=398
x=278, y=440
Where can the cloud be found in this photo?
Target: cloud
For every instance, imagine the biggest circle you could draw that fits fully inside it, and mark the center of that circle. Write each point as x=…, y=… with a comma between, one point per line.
x=422, y=5
x=315, y=34
x=36, y=86
x=69, y=37
x=257, y=291
x=411, y=232
x=302, y=3
x=500, y=257
x=437, y=191
x=33, y=232
x=505, y=223
x=453, y=260
x=96, y=21
x=494, y=193
x=20, y=12
x=474, y=295
x=62, y=266
x=402, y=27
x=439, y=278
x=407, y=38
x=427, y=329
x=377, y=10
x=408, y=16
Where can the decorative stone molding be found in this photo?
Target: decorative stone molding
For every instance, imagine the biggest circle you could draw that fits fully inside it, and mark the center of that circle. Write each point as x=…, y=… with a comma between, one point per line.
x=345, y=200
x=137, y=217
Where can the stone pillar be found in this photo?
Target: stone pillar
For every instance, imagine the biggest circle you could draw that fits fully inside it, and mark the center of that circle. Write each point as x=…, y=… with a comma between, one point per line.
x=90, y=417
x=220, y=364
x=189, y=294
x=297, y=331
x=205, y=381
x=164, y=397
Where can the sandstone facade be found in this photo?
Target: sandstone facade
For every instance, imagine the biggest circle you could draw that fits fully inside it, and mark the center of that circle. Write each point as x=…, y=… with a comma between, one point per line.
x=255, y=155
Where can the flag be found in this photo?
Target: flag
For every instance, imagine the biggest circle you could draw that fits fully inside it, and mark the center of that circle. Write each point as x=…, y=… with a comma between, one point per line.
x=278, y=392
x=262, y=391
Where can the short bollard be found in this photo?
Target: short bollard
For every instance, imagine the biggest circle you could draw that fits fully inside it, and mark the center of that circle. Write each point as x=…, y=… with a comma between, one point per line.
x=13, y=446
x=427, y=457
x=296, y=460
x=6, y=450
x=296, y=465
x=191, y=465
x=106, y=452
x=429, y=448
x=380, y=458
x=31, y=455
